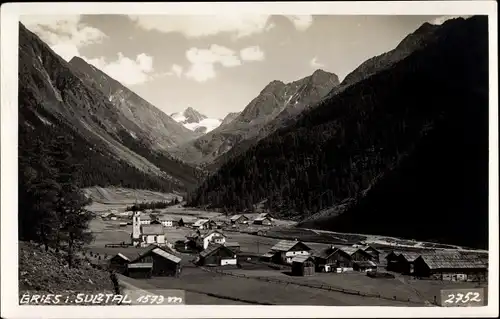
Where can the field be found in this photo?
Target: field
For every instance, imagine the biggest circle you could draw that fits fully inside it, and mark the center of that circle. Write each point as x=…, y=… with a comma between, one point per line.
x=250, y=284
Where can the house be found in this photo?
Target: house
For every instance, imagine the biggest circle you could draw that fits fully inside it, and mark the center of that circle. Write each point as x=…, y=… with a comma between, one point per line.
x=119, y=263
x=155, y=222
x=405, y=262
x=145, y=220
x=452, y=266
x=146, y=234
x=163, y=261
x=169, y=221
x=139, y=270
x=392, y=260
x=364, y=266
x=239, y=219
x=217, y=255
x=263, y=219
x=303, y=265
x=372, y=251
x=203, y=240
x=234, y=246
x=333, y=258
x=187, y=221
x=267, y=257
x=357, y=254
x=285, y=250
x=204, y=224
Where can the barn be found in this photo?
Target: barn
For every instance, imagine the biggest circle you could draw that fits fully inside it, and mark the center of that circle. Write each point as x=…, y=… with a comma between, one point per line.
x=357, y=254
x=452, y=266
x=217, y=255
x=392, y=260
x=263, y=219
x=239, y=219
x=119, y=263
x=163, y=262
x=139, y=270
x=405, y=262
x=332, y=258
x=303, y=265
x=285, y=250
x=372, y=251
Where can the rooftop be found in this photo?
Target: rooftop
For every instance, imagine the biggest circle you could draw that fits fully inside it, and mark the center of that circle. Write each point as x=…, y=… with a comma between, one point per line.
x=301, y=258
x=365, y=263
x=166, y=255
x=140, y=265
x=285, y=245
x=154, y=229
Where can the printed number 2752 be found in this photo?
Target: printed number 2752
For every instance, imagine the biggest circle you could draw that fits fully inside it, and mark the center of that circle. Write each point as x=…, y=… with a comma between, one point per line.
x=463, y=298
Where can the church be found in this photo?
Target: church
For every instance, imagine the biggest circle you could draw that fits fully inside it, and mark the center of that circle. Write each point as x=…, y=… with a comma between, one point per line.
x=146, y=234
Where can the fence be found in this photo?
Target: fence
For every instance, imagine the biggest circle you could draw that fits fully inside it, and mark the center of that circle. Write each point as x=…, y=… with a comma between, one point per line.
x=315, y=286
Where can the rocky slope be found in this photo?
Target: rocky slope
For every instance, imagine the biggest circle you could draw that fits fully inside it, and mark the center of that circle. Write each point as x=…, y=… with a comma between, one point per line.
x=112, y=146
x=195, y=121
x=276, y=99
x=402, y=152
x=229, y=118
x=417, y=40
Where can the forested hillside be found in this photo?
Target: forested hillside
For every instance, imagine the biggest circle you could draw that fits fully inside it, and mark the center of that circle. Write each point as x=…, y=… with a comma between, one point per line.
x=406, y=147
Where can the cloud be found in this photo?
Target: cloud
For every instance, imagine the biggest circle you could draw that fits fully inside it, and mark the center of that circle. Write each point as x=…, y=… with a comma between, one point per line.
x=65, y=34
x=315, y=64
x=200, y=26
x=203, y=61
x=252, y=54
x=125, y=70
x=441, y=19
x=177, y=70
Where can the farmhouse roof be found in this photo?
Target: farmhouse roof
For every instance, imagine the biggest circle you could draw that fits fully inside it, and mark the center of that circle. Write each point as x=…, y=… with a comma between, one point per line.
x=212, y=249
x=301, y=258
x=166, y=255
x=368, y=246
x=213, y=232
x=152, y=229
x=145, y=217
x=349, y=250
x=122, y=256
x=454, y=260
x=200, y=222
x=286, y=245
x=140, y=265
x=261, y=218
x=236, y=217
x=410, y=256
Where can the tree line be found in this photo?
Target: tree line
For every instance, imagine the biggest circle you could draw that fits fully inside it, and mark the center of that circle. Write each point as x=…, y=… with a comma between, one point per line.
x=153, y=205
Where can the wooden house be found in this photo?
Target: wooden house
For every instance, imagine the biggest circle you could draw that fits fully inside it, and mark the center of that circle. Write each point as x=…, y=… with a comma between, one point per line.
x=372, y=251
x=263, y=219
x=332, y=258
x=357, y=254
x=152, y=234
x=119, y=263
x=285, y=250
x=303, y=265
x=217, y=255
x=164, y=262
x=239, y=219
x=205, y=224
x=452, y=266
x=364, y=266
x=392, y=260
x=139, y=270
x=405, y=262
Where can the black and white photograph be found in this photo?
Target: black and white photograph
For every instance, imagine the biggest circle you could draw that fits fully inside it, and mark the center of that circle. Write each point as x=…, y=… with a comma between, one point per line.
x=249, y=155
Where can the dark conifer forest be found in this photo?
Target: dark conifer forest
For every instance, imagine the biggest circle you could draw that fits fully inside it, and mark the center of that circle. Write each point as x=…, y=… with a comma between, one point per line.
x=406, y=150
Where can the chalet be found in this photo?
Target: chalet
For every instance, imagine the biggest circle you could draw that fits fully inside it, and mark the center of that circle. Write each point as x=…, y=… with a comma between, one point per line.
x=452, y=266
x=372, y=251
x=119, y=263
x=239, y=219
x=392, y=260
x=145, y=220
x=187, y=221
x=169, y=221
x=364, y=266
x=357, y=254
x=285, y=250
x=263, y=219
x=139, y=270
x=204, y=224
x=303, y=265
x=333, y=258
x=405, y=262
x=203, y=240
x=234, y=246
x=163, y=261
x=217, y=255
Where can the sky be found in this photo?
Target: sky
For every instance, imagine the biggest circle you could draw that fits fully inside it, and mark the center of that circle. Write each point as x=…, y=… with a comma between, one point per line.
x=218, y=64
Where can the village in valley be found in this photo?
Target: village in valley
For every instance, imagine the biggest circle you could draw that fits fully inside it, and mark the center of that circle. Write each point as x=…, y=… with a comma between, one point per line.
x=249, y=257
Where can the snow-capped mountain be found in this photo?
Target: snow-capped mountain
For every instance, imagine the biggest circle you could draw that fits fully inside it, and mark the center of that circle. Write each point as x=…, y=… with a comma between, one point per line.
x=195, y=121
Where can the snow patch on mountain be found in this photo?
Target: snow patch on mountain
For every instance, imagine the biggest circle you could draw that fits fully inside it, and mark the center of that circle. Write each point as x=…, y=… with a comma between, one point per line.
x=195, y=121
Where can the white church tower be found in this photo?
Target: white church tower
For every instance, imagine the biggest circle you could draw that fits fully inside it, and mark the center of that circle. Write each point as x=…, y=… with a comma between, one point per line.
x=136, y=228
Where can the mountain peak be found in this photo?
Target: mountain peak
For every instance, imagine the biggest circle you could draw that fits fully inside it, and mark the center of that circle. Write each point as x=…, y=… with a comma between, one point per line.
x=193, y=116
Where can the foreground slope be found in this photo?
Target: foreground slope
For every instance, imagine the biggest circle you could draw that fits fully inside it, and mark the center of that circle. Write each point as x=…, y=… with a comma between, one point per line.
x=275, y=98
x=403, y=152
x=112, y=149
